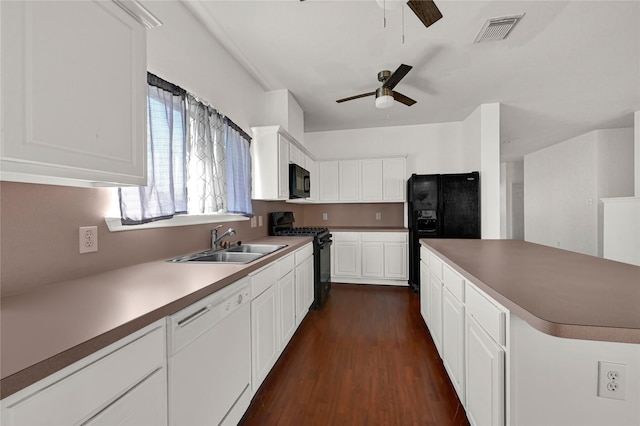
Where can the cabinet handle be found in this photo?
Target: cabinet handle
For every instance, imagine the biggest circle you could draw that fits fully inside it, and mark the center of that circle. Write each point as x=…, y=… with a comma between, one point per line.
x=194, y=316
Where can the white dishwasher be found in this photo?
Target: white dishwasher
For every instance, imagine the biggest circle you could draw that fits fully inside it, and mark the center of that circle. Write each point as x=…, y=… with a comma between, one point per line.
x=210, y=359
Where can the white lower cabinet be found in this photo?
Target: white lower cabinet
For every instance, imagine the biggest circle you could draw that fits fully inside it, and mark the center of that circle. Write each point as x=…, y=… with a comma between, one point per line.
x=370, y=257
x=485, y=372
x=469, y=330
x=346, y=255
x=425, y=280
x=304, y=286
x=265, y=333
x=124, y=383
x=287, y=301
x=373, y=260
x=435, y=312
x=453, y=340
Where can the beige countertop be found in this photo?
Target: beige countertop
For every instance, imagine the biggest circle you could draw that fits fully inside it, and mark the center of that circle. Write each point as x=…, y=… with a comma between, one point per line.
x=53, y=326
x=558, y=292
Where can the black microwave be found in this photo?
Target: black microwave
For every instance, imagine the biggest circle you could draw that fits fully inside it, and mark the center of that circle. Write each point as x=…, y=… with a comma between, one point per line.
x=299, y=184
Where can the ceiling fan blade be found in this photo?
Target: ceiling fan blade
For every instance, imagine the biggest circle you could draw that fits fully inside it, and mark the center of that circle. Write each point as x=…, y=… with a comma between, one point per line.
x=356, y=97
x=398, y=75
x=403, y=99
x=425, y=10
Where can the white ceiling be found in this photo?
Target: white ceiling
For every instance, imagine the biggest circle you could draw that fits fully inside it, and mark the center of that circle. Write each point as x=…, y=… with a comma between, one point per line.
x=567, y=68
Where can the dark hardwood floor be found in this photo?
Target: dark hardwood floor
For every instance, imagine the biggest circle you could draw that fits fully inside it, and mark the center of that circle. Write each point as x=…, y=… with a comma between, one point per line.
x=365, y=358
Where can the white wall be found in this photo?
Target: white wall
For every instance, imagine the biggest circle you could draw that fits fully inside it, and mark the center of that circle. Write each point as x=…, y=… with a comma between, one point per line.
x=554, y=381
x=429, y=148
x=481, y=130
x=183, y=52
x=512, y=200
x=564, y=183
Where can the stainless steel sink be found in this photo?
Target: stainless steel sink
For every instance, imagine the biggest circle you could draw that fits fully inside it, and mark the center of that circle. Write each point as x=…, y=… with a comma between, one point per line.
x=255, y=248
x=244, y=253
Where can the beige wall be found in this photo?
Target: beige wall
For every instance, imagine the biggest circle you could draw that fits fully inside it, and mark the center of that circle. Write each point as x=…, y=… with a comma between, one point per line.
x=39, y=232
x=361, y=214
x=39, y=235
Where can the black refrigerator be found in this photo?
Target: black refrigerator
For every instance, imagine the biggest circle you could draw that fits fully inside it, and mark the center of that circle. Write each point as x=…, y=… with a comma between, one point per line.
x=441, y=206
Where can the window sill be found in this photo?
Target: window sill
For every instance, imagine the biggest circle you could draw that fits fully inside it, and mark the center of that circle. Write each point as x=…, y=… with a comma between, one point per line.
x=115, y=225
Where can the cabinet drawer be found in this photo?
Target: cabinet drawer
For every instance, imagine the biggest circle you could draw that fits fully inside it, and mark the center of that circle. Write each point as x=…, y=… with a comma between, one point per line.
x=346, y=236
x=303, y=253
x=491, y=317
x=108, y=378
x=453, y=281
x=435, y=264
x=262, y=279
x=285, y=265
x=399, y=237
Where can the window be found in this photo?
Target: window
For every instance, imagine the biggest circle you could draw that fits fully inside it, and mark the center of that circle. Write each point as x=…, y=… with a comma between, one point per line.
x=198, y=160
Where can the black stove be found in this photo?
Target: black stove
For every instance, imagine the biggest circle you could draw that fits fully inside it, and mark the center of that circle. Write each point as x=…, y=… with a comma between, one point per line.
x=281, y=224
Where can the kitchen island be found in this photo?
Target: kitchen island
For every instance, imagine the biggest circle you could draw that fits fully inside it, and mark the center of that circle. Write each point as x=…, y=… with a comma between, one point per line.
x=550, y=324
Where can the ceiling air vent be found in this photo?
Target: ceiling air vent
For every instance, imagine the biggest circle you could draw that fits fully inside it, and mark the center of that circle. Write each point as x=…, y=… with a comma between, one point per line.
x=497, y=28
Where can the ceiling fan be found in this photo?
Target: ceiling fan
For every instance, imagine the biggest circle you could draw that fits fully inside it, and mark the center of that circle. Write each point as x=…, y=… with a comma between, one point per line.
x=425, y=10
x=385, y=95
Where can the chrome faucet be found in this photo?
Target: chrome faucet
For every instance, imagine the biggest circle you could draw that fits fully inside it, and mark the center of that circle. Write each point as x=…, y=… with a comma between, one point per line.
x=215, y=239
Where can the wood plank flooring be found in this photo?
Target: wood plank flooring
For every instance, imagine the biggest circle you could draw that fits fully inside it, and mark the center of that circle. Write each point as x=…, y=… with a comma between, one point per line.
x=365, y=358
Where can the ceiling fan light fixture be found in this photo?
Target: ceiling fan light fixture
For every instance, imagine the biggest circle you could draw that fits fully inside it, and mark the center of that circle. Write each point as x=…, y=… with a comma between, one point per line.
x=384, y=98
x=384, y=101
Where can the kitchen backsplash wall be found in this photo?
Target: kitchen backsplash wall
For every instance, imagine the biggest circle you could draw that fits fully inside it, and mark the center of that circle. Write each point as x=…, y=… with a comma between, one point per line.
x=39, y=232
x=356, y=215
x=39, y=235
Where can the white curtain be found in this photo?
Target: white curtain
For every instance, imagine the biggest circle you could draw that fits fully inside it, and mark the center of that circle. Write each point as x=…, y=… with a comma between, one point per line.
x=238, y=170
x=165, y=193
x=206, y=183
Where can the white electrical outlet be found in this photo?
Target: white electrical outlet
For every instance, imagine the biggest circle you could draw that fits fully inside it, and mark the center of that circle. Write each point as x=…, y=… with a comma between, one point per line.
x=325, y=216
x=88, y=239
x=611, y=380
x=259, y=220
x=253, y=221
x=377, y=216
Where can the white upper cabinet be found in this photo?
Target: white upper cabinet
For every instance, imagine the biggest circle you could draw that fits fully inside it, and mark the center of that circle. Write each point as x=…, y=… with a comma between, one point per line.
x=394, y=179
x=370, y=180
x=328, y=171
x=73, y=81
x=349, y=180
x=272, y=150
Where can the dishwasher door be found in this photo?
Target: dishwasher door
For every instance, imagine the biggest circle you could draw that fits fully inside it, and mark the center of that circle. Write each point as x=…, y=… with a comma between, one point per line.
x=210, y=359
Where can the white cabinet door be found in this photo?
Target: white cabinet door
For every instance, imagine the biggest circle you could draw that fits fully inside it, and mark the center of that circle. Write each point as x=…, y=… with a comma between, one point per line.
x=264, y=335
x=435, y=314
x=484, y=370
x=287, y=299
x=394, y=179
x=372, y=180
x=425, y=287
x=453, y=340
x=349, y=180
x=304, y=289
x=146, y=404
x=110, y=374
x=373, y=260
x=395, y=260
x=328, y=171
x=73, y=93
x=283, y=167
x=346, y=259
